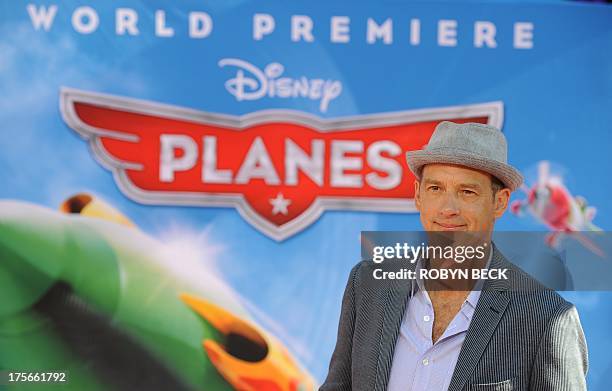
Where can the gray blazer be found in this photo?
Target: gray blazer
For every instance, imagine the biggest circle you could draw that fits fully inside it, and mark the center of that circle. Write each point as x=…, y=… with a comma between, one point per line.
x=523, y=336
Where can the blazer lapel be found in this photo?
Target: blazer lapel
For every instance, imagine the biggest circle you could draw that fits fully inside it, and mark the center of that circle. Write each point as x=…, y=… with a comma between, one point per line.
x=491, y=306
x=393, y=312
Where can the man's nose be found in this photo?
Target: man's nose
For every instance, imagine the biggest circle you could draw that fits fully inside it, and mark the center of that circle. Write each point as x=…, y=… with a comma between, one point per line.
x=449, y=206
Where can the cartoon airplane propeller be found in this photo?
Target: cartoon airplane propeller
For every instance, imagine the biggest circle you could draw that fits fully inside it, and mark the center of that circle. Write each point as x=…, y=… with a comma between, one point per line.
x=84, y=290
x=551, y=203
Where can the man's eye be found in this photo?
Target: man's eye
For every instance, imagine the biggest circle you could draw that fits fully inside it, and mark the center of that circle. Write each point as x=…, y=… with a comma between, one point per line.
x=468, y=192
x=434, y=188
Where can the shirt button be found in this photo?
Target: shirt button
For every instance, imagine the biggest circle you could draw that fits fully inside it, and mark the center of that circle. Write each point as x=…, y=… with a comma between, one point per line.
x=426, y=318
x=425, y=361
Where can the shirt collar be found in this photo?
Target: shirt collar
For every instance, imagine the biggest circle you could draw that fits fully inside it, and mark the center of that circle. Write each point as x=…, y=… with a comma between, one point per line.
x=474, y=295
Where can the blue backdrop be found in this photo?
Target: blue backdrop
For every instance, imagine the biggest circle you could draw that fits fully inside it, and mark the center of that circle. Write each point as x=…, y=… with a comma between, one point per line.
x=547, y=65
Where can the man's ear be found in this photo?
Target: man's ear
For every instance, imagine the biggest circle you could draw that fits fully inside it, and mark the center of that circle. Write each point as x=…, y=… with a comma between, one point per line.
x=501, y=202
x=417, y=195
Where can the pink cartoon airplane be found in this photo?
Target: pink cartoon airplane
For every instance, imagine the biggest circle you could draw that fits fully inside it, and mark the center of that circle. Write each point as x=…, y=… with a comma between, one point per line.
x=551, y=203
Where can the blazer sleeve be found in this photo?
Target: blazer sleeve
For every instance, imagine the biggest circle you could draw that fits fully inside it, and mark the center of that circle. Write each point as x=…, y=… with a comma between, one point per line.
x=339, y=375
x=561, y=361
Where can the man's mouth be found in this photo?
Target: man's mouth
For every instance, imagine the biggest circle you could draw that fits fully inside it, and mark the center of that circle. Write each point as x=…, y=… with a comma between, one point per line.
x=450, y=227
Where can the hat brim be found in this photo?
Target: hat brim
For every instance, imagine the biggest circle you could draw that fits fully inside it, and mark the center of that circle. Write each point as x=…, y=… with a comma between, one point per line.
x=509, y=175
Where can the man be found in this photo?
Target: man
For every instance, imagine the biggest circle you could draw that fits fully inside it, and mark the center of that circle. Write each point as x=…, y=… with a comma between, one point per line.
x=513, y=334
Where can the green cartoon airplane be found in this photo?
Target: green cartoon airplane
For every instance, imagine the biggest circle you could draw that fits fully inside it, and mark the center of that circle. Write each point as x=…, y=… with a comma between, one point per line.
x=83, y=290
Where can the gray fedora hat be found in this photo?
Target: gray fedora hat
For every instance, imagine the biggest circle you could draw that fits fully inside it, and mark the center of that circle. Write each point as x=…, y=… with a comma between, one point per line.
x=478, y=146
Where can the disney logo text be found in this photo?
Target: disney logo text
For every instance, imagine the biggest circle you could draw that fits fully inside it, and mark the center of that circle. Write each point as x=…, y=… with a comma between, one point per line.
x=252, y=83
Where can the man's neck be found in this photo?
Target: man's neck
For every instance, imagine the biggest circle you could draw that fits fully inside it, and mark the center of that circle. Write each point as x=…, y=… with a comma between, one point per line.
x=447, y=300
x=465, y=267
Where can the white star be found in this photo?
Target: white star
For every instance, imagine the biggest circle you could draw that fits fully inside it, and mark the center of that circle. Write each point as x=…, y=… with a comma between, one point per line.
x=280, y=204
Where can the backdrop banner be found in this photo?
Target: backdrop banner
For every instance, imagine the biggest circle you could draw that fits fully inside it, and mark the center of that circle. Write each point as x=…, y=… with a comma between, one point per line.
x=185, y=183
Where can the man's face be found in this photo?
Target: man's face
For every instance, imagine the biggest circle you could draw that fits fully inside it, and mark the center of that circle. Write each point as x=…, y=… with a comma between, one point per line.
x=457, y=198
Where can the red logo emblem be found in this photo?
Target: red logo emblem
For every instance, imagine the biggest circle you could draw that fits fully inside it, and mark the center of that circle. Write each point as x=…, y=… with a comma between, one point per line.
x=280, y=169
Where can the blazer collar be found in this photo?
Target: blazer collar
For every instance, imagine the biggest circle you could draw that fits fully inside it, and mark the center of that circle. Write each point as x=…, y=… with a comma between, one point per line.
x=491, y=306
x=395, y=302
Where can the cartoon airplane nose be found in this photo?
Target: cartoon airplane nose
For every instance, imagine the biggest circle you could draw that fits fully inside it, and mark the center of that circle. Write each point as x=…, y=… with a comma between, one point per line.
x=248, y=357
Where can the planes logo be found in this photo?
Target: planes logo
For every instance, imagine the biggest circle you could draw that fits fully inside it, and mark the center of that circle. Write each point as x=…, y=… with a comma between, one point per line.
x=280, y=169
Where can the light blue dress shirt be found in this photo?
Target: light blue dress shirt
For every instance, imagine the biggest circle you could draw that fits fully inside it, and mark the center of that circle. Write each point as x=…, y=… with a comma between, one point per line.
x=418, y=363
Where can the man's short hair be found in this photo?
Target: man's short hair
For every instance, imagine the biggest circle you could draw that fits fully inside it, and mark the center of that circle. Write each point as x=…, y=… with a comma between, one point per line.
x=496, y=185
